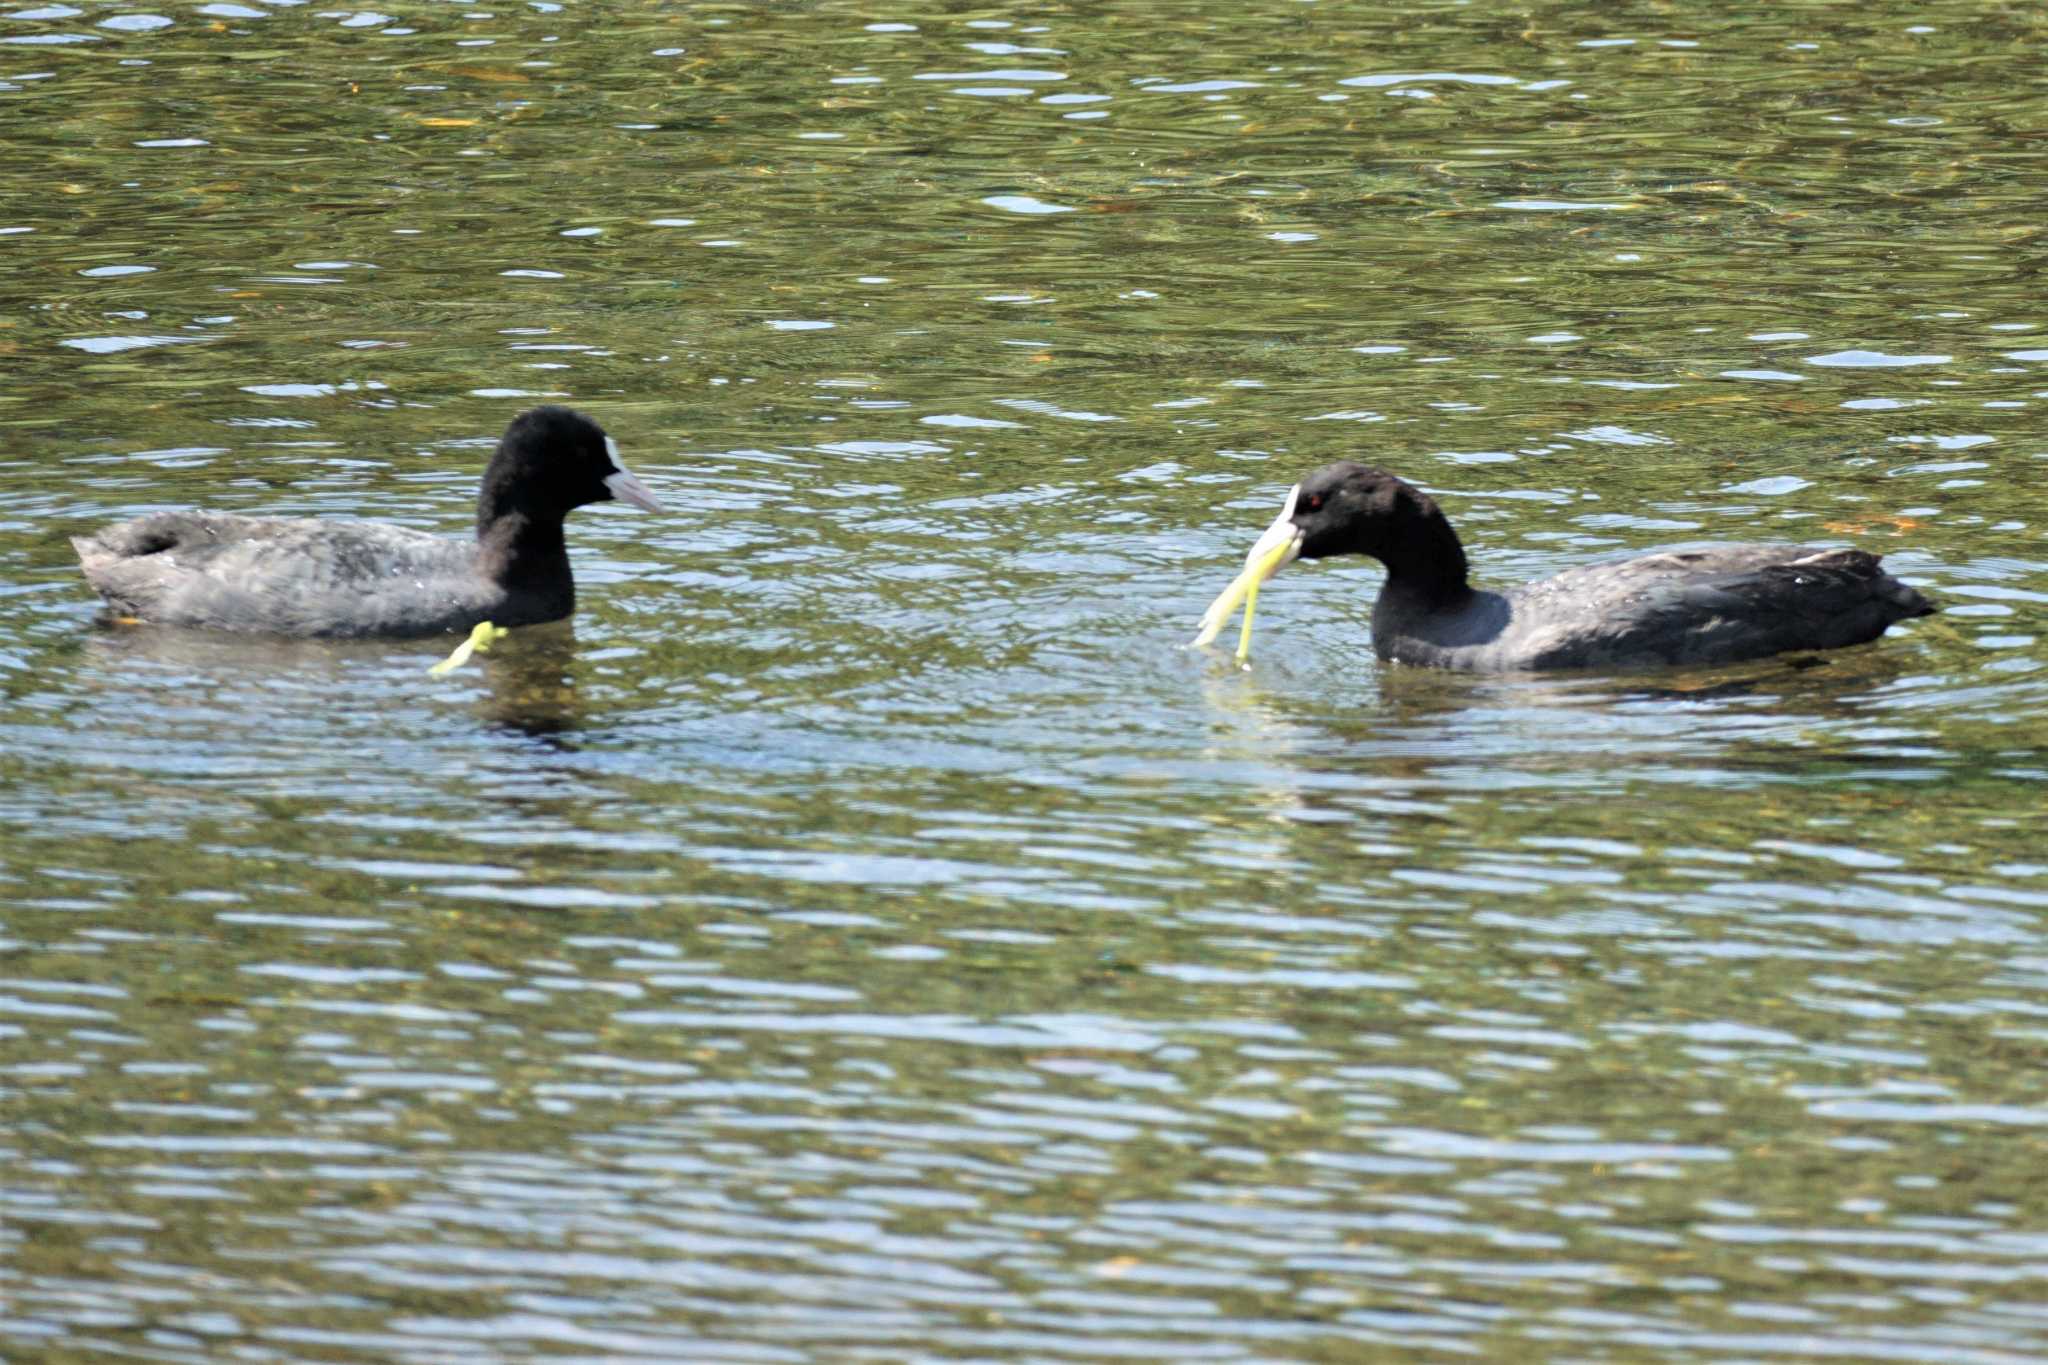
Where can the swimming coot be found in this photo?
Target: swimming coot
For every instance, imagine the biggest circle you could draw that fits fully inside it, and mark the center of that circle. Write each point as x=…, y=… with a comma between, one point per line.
x=1708, y=605
x=306, y=577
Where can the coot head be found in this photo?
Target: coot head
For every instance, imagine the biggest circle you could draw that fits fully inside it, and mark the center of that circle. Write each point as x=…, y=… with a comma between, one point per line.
x=550, y=461
x=1353, y=509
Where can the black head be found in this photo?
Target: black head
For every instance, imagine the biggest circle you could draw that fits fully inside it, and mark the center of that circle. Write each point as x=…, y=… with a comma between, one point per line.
x=1351, y=509
x=550, y=461
x=1354, y=509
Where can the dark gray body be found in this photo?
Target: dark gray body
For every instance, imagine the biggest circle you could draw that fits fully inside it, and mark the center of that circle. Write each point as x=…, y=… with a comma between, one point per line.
x=1710, y=605
x=304, y=577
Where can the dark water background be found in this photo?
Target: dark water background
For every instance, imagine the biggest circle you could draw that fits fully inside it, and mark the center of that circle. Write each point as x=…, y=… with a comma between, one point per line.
x=865, y=933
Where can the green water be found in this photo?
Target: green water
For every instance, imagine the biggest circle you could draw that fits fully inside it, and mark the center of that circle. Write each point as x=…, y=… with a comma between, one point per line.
x=865, y=932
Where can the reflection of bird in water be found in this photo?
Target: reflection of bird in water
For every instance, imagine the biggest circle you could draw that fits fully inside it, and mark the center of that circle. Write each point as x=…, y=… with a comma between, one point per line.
x=340, y=579
x=529, y=682
x=527, y=679
x=1713, y=604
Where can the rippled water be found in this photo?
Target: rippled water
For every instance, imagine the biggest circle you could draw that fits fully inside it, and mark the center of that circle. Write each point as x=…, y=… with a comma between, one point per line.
x=864, y=932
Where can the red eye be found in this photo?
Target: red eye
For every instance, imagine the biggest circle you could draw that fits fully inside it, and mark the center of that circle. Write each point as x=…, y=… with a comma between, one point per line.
x=1315, y=502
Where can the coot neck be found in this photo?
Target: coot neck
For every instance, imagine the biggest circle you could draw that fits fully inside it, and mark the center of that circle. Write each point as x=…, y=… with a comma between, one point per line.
x=523, y=550
x=1425, y=563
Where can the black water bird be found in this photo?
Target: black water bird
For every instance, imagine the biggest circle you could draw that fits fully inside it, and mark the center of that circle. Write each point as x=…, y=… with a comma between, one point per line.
x=1711, y=604
x=310, y=577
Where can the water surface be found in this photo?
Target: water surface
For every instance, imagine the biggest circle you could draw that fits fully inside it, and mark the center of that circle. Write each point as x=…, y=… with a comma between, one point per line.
x=865, y=932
